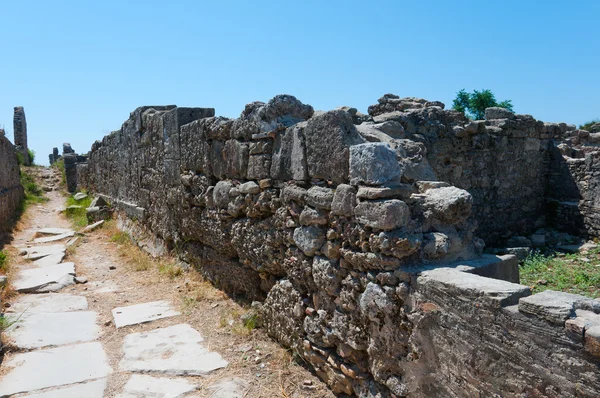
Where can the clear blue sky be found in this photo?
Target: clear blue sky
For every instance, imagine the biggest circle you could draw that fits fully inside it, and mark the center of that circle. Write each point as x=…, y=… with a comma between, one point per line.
x=79, y=67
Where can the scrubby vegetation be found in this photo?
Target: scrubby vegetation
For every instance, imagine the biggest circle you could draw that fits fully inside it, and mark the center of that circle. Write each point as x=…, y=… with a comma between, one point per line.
x=76, y=211
x=572, y=273
x=33, y=193
x=588, y=126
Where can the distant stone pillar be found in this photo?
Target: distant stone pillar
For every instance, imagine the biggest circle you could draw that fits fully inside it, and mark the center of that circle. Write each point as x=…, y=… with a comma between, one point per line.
x=20, y=129
x=71, y=171
x=67, y=148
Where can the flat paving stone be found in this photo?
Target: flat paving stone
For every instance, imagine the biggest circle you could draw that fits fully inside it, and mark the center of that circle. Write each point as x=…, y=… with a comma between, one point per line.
x=54, y=367
x=54, y=231
x=52, y=259
x=54, y=238
x=175, y=350
x=234, y=387
x=45, y=279
x=52, y=329
x=143, y=386
x=141, y=313
x=91, y=389
x=48, y=302
x=34, y=253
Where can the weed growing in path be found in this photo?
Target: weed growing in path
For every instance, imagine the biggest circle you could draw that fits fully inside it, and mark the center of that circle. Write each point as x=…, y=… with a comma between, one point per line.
x=76, y=211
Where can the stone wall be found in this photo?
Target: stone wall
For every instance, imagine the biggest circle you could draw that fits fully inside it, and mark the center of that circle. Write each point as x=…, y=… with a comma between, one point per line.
x=574, y=183
x=11, y=191
x=365, y=264
x=20, y=132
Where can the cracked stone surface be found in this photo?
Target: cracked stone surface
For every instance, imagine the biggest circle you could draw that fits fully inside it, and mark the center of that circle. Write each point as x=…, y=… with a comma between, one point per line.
x=54, y=367
x=45, y=279
x=49, y=302
x=52, y=329
x=143, y=386
x=34, y=253
x=52, y=259
x=141, y=313
x=54, y=238
x=174, y=350
x=54, y=231
x=92, y=389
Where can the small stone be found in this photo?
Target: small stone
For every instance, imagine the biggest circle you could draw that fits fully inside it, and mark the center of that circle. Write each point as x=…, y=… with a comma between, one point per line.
x=383, y=214
x=81, y=279
x=79, y=196
x=112, y=267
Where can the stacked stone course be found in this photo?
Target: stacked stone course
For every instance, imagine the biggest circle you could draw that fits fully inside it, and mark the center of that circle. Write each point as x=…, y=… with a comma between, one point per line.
x=357, y=234
x=11, y=191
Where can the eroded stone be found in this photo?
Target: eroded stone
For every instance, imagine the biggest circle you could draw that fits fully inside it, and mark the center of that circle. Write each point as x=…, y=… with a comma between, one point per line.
x=141, y=313
x=175, y=350
x=54, y=367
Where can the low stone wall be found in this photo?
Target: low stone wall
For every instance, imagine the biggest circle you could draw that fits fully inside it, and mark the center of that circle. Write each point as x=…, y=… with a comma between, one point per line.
x=11, y=191
x=367, y=266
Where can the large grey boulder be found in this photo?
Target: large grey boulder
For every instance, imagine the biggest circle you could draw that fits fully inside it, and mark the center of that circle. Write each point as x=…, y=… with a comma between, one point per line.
x=373, y=164
x=329, y=137
x=383, y=214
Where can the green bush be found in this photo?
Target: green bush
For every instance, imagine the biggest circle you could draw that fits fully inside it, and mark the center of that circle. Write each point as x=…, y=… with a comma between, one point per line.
x=473, y=104
x=31, y=156
x=78, y=215
x=3, y=261
x=588, y=126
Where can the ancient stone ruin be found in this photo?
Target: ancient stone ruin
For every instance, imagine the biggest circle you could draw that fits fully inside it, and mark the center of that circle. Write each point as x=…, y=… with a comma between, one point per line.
x=362, y=236
x=11, y=191
x=20, y=132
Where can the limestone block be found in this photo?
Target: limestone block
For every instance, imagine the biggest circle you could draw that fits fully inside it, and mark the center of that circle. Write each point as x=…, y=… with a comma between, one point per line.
x=383, y=214
x=289, y=154
x=373, y=164
x=309, y=239
x=329, y=137
x=344, y=200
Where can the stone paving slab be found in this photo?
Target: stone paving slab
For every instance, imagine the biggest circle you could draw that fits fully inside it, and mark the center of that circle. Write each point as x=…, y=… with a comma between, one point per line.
x=34, y=253
x=52, y=329
x=174, y=350
x=41, y=279
x=234, y=387
x=54, y=238
x=52, y=259
x=48, y=302
x=54, y=367
x=92, y=389
x=141, y=313
x=143, y=386
x=54, y=231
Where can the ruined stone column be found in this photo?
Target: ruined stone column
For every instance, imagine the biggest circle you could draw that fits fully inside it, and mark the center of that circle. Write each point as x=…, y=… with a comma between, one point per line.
x=20, y=130
x=71, y=171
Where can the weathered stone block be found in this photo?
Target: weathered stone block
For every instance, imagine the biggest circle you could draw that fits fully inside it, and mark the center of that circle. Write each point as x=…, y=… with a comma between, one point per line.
x=289, y=154
x=373, y=164
x=383, y=214
x=344, y=200
x=329, y=137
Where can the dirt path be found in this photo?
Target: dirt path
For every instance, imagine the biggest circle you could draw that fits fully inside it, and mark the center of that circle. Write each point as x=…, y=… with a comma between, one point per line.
x=236, y=361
